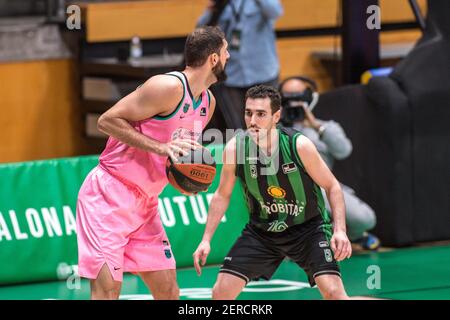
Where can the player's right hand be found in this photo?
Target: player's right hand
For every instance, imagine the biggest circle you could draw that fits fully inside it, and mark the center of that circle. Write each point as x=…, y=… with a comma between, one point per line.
x=201, y=254
x=179, y=147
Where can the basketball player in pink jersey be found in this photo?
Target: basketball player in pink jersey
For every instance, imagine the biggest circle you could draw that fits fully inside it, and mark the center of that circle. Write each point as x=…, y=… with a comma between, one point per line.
x=118, y=224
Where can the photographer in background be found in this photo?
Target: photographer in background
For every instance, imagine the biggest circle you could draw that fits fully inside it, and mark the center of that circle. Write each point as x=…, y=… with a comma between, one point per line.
x=249, y=29
x=299, y=97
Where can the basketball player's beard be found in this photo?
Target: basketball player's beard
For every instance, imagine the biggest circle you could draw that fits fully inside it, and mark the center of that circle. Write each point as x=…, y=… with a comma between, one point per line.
x=219, y=72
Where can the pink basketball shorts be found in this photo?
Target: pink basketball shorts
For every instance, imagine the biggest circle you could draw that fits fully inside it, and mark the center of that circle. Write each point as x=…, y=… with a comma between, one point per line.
x=119, y=226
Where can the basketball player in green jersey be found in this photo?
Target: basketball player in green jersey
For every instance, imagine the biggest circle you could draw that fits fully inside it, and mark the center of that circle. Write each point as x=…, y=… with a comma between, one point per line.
x=281, y=173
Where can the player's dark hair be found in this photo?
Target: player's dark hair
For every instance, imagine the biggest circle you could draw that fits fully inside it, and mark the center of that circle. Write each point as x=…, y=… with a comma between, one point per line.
x=201, y=43
x=263, y=91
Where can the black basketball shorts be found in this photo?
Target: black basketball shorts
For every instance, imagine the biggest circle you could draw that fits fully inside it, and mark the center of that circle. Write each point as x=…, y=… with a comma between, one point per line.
x=257, y=254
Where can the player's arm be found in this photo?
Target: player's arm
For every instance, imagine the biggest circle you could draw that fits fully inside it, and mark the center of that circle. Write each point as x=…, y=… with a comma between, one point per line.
x=321, y=174
x=157, y=96
x=219, y=203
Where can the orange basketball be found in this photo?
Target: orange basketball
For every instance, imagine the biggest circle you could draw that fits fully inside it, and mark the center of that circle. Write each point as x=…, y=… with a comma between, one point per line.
x=192, y=173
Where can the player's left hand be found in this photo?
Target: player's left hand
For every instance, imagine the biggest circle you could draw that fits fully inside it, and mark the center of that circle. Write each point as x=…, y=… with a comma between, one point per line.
x=341, y=246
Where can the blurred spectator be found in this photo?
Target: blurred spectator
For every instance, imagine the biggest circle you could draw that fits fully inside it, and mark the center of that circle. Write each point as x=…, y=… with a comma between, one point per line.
x=249, y=28
x=299, y=98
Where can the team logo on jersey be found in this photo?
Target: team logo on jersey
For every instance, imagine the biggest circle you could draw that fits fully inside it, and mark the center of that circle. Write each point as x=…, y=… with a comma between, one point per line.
x=289, y=167
x=186, y=107
x=253, y=171
x=203, y=112
x=168, y=253
x=276, y=192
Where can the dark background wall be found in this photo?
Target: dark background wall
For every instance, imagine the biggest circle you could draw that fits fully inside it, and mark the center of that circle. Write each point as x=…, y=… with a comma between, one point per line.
x=399, y=128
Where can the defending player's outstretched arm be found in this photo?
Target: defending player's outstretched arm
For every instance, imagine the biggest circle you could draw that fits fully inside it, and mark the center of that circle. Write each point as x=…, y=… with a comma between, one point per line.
x=157, y=96
x=219, y=204
x=321, y=174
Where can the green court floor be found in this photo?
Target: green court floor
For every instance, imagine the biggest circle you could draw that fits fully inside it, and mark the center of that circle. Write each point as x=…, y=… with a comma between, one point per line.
x=412, y=273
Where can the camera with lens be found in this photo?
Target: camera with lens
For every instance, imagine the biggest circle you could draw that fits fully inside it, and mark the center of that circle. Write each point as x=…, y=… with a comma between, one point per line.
x=292, y=104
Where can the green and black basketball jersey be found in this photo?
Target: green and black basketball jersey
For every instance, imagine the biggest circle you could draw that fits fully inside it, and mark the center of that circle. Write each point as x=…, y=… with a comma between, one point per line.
x=278, y=190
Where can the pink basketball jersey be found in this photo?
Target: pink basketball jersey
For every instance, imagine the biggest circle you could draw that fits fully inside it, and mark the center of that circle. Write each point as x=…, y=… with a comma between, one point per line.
x=146, y=170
